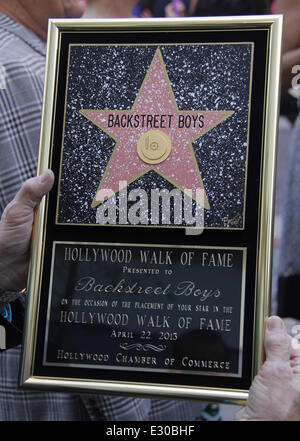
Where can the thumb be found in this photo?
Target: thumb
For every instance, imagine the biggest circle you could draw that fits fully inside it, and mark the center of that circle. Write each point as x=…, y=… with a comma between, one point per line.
x=28, y=197
x=277, y=341
x=34, y=189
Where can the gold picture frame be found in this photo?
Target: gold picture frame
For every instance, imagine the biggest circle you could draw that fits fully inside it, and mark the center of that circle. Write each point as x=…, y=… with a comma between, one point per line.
x=30, y=376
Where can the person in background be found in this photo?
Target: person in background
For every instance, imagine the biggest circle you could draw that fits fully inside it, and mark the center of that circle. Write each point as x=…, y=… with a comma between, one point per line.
x=109, y=8
x=206, y=8
x=289, y=263
x=23, y=33
x=155, y=8
x=143, y=9
x=273, y=7
x=291, y=38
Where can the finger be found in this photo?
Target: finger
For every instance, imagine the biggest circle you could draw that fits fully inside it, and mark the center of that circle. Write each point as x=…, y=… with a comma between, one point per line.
x=295, y=348
x=34, y=189
x=295, y=332
x=20, y=209
x=277, y=341
x=295, y=355
x=241, y=415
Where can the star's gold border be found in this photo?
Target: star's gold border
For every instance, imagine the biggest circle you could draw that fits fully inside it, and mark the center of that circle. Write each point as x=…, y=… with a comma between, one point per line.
x=84, y=112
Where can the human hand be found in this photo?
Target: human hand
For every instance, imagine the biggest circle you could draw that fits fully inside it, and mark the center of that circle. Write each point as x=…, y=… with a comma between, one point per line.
x=275, y=391
x=15, y=231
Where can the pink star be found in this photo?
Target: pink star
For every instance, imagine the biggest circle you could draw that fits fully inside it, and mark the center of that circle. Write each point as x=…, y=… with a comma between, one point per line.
x=154, y=98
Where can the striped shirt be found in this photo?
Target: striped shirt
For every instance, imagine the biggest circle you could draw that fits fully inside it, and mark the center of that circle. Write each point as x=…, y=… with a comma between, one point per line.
x=22, y=63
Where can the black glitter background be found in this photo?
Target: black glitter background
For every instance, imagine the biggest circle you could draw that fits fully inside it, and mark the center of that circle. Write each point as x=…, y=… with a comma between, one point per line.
x=203, y=77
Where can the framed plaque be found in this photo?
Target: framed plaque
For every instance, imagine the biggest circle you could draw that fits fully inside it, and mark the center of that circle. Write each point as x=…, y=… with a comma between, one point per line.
x=151, y=261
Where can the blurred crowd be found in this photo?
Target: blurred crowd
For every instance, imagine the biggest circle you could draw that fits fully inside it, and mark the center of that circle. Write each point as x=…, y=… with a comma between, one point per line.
x=175, y=8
